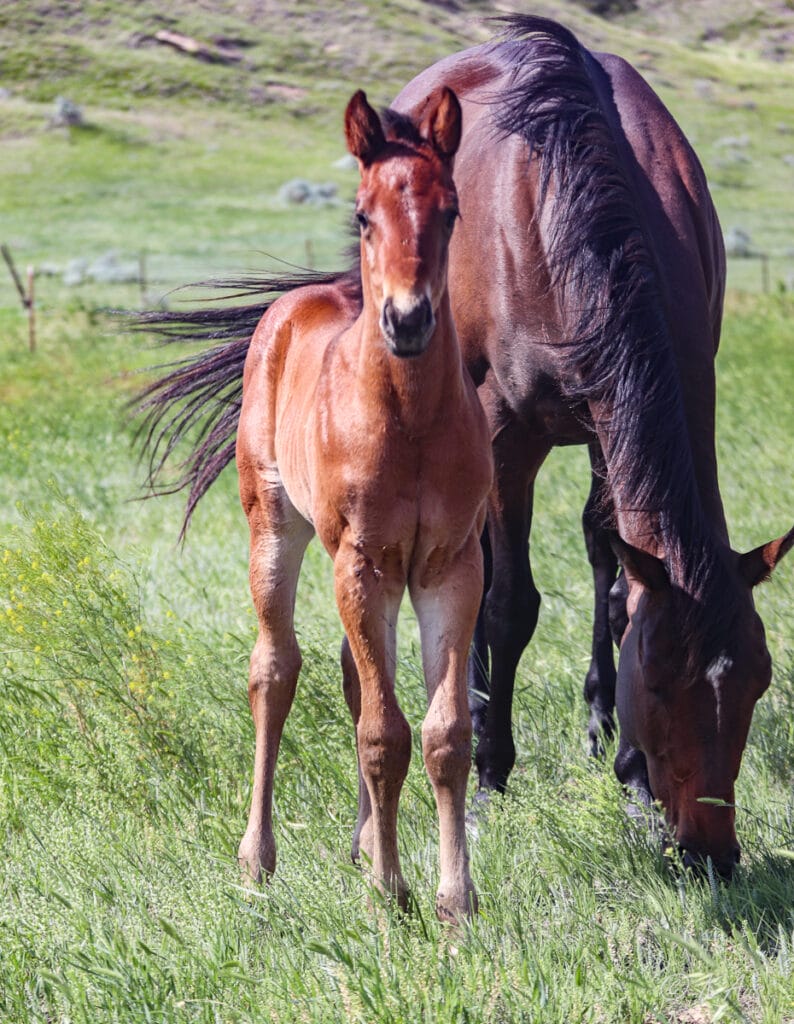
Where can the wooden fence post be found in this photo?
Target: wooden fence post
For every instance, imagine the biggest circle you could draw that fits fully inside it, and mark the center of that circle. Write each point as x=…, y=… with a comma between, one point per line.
x=26, y=297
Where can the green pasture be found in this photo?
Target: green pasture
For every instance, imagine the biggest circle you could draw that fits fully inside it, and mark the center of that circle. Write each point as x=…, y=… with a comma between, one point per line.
x=125, y=739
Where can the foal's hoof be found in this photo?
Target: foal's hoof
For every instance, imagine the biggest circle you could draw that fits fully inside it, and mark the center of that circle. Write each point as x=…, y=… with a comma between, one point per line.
x=256, y=863
x=455, y=909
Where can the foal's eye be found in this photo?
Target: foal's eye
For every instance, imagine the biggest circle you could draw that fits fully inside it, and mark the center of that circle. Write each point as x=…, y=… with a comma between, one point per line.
x=450, y=216
x=363, y=220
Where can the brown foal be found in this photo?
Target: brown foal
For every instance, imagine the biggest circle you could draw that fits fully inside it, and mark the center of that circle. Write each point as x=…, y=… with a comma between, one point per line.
x=359, y=422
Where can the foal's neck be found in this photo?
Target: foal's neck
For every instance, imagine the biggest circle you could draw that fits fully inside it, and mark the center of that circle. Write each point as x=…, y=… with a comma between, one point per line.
x=417, y=390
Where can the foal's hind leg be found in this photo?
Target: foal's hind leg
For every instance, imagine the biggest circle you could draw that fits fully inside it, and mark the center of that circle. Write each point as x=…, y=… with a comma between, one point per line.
x=362, y=835
x=599, y=687
x=278, y=541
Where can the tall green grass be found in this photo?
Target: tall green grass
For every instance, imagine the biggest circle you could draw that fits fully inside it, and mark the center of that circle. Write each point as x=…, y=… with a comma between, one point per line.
x=125, y=738
x=126, y=751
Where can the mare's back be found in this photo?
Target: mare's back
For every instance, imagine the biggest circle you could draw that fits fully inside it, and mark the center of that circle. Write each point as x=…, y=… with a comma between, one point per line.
x=505, y=303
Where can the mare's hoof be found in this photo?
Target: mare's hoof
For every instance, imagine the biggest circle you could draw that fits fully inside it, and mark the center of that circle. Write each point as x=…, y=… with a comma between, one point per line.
x=601, y=730
x=475, y=817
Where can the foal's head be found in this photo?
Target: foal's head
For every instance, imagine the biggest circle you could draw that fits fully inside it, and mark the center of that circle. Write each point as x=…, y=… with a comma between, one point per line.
x=406, y=208
x=686, y=701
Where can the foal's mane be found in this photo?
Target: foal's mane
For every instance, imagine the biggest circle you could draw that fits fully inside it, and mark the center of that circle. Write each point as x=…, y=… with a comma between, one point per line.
x=618, y=352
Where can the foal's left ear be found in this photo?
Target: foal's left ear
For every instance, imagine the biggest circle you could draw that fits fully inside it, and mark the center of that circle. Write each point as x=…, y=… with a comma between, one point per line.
x=442, y=122
x=756, y=566
x=363, y=131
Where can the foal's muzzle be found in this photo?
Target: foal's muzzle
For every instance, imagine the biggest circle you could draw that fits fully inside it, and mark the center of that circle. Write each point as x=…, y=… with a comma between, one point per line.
x=407, y=331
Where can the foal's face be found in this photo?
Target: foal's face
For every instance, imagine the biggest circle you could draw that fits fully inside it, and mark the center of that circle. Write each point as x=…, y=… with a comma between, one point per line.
x=691, y=716
x=406, y=208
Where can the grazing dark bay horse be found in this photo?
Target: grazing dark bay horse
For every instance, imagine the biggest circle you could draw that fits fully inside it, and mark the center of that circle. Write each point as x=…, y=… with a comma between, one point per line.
x=360, y=423
x=587, y=283
x=586, y=278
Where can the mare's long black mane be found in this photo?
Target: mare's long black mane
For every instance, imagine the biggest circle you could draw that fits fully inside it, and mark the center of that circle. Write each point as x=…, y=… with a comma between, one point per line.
x=618, y=353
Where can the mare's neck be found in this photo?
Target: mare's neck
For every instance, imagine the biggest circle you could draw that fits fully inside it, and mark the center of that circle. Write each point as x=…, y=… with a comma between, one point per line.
x=416, y=390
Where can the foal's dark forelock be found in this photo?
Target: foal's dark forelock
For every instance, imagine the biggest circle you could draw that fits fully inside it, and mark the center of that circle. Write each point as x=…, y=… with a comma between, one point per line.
x=617, y=351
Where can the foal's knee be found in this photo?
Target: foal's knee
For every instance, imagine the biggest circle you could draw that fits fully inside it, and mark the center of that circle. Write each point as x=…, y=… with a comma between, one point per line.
x=384, y=749
x=447, y=751
x=274, y=670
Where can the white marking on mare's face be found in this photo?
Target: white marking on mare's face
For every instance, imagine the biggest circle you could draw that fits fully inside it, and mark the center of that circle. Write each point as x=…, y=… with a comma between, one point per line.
x=715, y=673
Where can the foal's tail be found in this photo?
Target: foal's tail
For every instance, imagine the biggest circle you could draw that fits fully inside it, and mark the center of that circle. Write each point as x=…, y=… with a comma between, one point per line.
x=199, y=396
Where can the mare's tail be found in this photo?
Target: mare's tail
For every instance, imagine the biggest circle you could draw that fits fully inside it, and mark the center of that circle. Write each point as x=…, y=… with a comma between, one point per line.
x=199, y=396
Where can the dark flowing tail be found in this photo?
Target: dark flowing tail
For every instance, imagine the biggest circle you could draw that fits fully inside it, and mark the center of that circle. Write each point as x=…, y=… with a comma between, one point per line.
x=199, y=397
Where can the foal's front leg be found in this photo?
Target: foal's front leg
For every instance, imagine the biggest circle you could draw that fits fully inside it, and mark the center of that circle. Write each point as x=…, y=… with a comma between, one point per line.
x=369, y=602
x=278, y=541
x=446, y=605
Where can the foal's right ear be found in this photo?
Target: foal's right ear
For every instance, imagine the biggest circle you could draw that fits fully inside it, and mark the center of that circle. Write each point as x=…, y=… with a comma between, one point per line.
x=363, y=131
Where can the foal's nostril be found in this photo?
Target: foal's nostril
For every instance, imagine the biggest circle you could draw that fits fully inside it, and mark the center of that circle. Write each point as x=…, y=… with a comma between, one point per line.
x=389, y=317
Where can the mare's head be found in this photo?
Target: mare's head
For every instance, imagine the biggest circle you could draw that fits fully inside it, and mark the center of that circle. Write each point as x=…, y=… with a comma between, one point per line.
x=686, y=700
x=406, y=207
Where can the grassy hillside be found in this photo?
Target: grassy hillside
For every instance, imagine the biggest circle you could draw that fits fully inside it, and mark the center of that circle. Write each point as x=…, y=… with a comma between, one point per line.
x=184, y=158
x=125, y=738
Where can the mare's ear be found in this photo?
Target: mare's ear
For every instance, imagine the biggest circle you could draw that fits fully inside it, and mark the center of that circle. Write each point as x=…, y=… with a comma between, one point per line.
x=756, y=566
x=442, y=122
x=646, y=569
x=363, y=131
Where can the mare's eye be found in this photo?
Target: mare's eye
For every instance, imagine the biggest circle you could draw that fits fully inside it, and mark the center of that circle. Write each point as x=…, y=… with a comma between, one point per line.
x=363, y=220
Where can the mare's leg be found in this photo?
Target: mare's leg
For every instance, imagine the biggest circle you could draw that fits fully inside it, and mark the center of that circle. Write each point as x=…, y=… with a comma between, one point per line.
x=632, y=770
x=369, y=601
x=512, y=602
x=478, y=666
x=618, y=616
x=362, y=835
x=599, y=686
x=447, y=607
x=278, y=541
